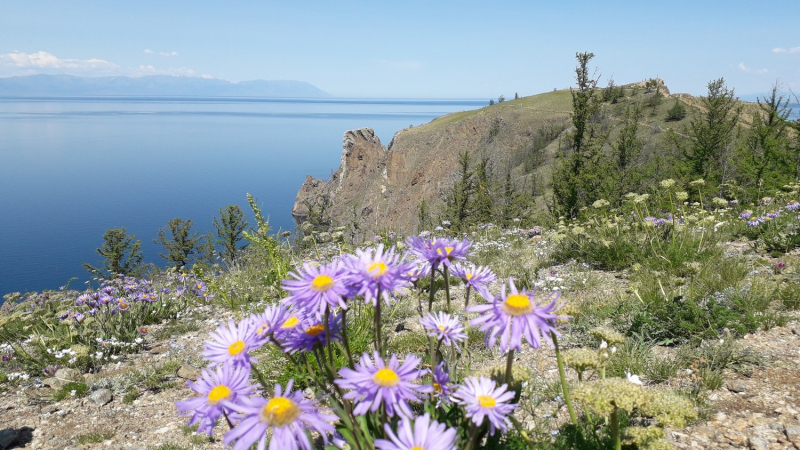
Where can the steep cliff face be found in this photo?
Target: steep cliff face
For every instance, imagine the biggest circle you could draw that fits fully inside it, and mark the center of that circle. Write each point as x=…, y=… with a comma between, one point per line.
x=377, y=188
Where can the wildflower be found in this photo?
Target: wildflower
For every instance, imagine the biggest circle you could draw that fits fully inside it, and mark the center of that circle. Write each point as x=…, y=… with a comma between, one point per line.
x=232, y=344
x=720, y=202
x=391, y=384
x=582, y=359
x=267, y=322
x=218, y=390
x=418, y=273
x=285, y=420
x=698, y=182
x=422, y=434
x=754, y=222
x=142, y=331
x=481, y=398
x=441, y=383
x=746, y=214
x=316, y=288
x=633, y=378
x=682, y=195
x=793, y=205
x=772, y=214
x=668, y=183
x=83, y=299
x=445, y=328
x=378, y=273
x=766, y=200
x=516, y=315
x=477, y=277
x=608, y=335
x=310, y=333
x=602, y=203
x=439, y=251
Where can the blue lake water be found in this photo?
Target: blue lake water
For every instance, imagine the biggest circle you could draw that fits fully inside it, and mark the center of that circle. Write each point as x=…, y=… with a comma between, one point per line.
x=72, y=168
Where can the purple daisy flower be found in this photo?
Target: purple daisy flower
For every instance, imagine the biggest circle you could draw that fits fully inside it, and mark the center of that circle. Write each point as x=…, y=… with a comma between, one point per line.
x=218, y=388
x=267, y=322
x=441, y=383
x=316, y=288
x=746, y=214
x=481, y=398
x=287, y=415
x=445, y=328
x=311, y=332
x=374, y=383
x=423, y=433
x=233, y=344
x=418, y=272
x=754, y=222
x=516, y=315
x=377, y=273
x=476, y=277
x=83, y=299
x=793, y=205
x=439, y=251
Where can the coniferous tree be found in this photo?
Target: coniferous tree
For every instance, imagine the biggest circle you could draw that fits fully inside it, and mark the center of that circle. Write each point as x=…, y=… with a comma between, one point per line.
x=482, y=204
x=677, y=112
x=457, y=202
x=766, y=146
x=181, y=243
x=711, y=134
x=230, y=228
x=121, y=254
x=576, y=178
x=624, y=176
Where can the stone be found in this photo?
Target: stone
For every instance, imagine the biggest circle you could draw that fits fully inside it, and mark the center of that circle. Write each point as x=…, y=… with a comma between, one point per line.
x=757, y=443
x=63, y=377
x=8, y=437
x=793, y=433
x=736, y=386
x=100, y=397
x=188, y=372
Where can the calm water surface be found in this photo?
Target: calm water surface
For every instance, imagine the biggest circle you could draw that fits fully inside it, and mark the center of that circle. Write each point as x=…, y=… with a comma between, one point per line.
x=72, y=168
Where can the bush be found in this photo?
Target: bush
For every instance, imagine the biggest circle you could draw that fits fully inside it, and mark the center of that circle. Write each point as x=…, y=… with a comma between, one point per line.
x=677, y=112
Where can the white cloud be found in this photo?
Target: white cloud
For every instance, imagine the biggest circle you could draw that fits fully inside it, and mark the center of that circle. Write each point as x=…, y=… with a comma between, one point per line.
x=20, y=64
x=403, y=65
x=786, y=50
x=43, y=61
x=147, y=51
x=746, y=69
x=168, y=53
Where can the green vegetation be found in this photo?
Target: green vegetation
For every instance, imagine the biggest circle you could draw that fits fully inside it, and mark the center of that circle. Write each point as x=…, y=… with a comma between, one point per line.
x=122, y=255
x=181, y=243
x=230, y=226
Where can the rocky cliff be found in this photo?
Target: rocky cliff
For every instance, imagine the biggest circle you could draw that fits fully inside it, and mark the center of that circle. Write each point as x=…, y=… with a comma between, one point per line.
x=380, y=188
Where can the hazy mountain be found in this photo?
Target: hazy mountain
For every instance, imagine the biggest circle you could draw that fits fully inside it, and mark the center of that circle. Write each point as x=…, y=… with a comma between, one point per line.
x=160, y=85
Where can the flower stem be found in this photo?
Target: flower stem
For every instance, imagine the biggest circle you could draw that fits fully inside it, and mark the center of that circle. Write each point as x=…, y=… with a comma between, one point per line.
x=260, y=377
x=562, y=375
x=472, y=434
x=615, y=429
x=509, y=363
x=346, y=341
x=378, y=342
x=328, y=335
x=466, y=300
x=447, y=288
x=431, y=292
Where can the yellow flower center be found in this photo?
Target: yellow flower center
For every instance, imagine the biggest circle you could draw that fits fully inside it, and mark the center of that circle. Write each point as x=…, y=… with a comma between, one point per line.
x=486, y=401
x=417, y=448
x=280, y=411
x=386, y=377
x=377, y=269
x=315, y=330
x=236, y=348
x=291, y=322
x=469, y=276
x=123, y=305
x=218, y=393
x=446, y=251
x=322, y=283
x=517, y=305
x=437, y=387
x=441, y=328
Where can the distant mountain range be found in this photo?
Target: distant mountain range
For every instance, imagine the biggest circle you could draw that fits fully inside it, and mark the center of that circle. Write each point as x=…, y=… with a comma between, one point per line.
x=155, y=85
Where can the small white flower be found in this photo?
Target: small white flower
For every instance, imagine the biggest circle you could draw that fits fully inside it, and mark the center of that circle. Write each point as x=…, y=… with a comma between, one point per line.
x=633, y=378
x=603, y=344
x=72, y=392
x=613, y=349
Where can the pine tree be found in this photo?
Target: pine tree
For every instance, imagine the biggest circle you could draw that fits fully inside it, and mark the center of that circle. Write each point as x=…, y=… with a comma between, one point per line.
x=121, y=254
x=457, y=202
x=230, y=228
x=767, y=143
x=181, y=243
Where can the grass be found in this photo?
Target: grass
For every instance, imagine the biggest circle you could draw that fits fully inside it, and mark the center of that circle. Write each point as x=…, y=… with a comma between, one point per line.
x=94, y=437
x=71, y=390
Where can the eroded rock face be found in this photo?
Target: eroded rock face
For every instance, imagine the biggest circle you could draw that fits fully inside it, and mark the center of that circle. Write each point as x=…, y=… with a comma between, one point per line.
x=377, y=188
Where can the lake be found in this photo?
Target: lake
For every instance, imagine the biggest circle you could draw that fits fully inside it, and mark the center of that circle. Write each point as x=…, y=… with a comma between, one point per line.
x=71, y=168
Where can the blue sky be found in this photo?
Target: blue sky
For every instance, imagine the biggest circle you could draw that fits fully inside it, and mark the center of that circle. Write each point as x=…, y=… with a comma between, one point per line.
x=464, y=49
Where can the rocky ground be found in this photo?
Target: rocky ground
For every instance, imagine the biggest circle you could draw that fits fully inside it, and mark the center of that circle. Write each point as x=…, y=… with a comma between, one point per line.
x=757, y=408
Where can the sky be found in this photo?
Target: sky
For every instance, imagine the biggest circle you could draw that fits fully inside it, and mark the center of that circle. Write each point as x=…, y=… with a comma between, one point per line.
x=411, y=49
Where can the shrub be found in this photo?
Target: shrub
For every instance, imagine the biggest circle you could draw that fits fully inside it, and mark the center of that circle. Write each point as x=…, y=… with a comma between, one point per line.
x=677, y=112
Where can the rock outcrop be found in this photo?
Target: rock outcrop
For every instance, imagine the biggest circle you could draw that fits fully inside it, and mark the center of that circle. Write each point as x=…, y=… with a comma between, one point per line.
x=380, y=188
